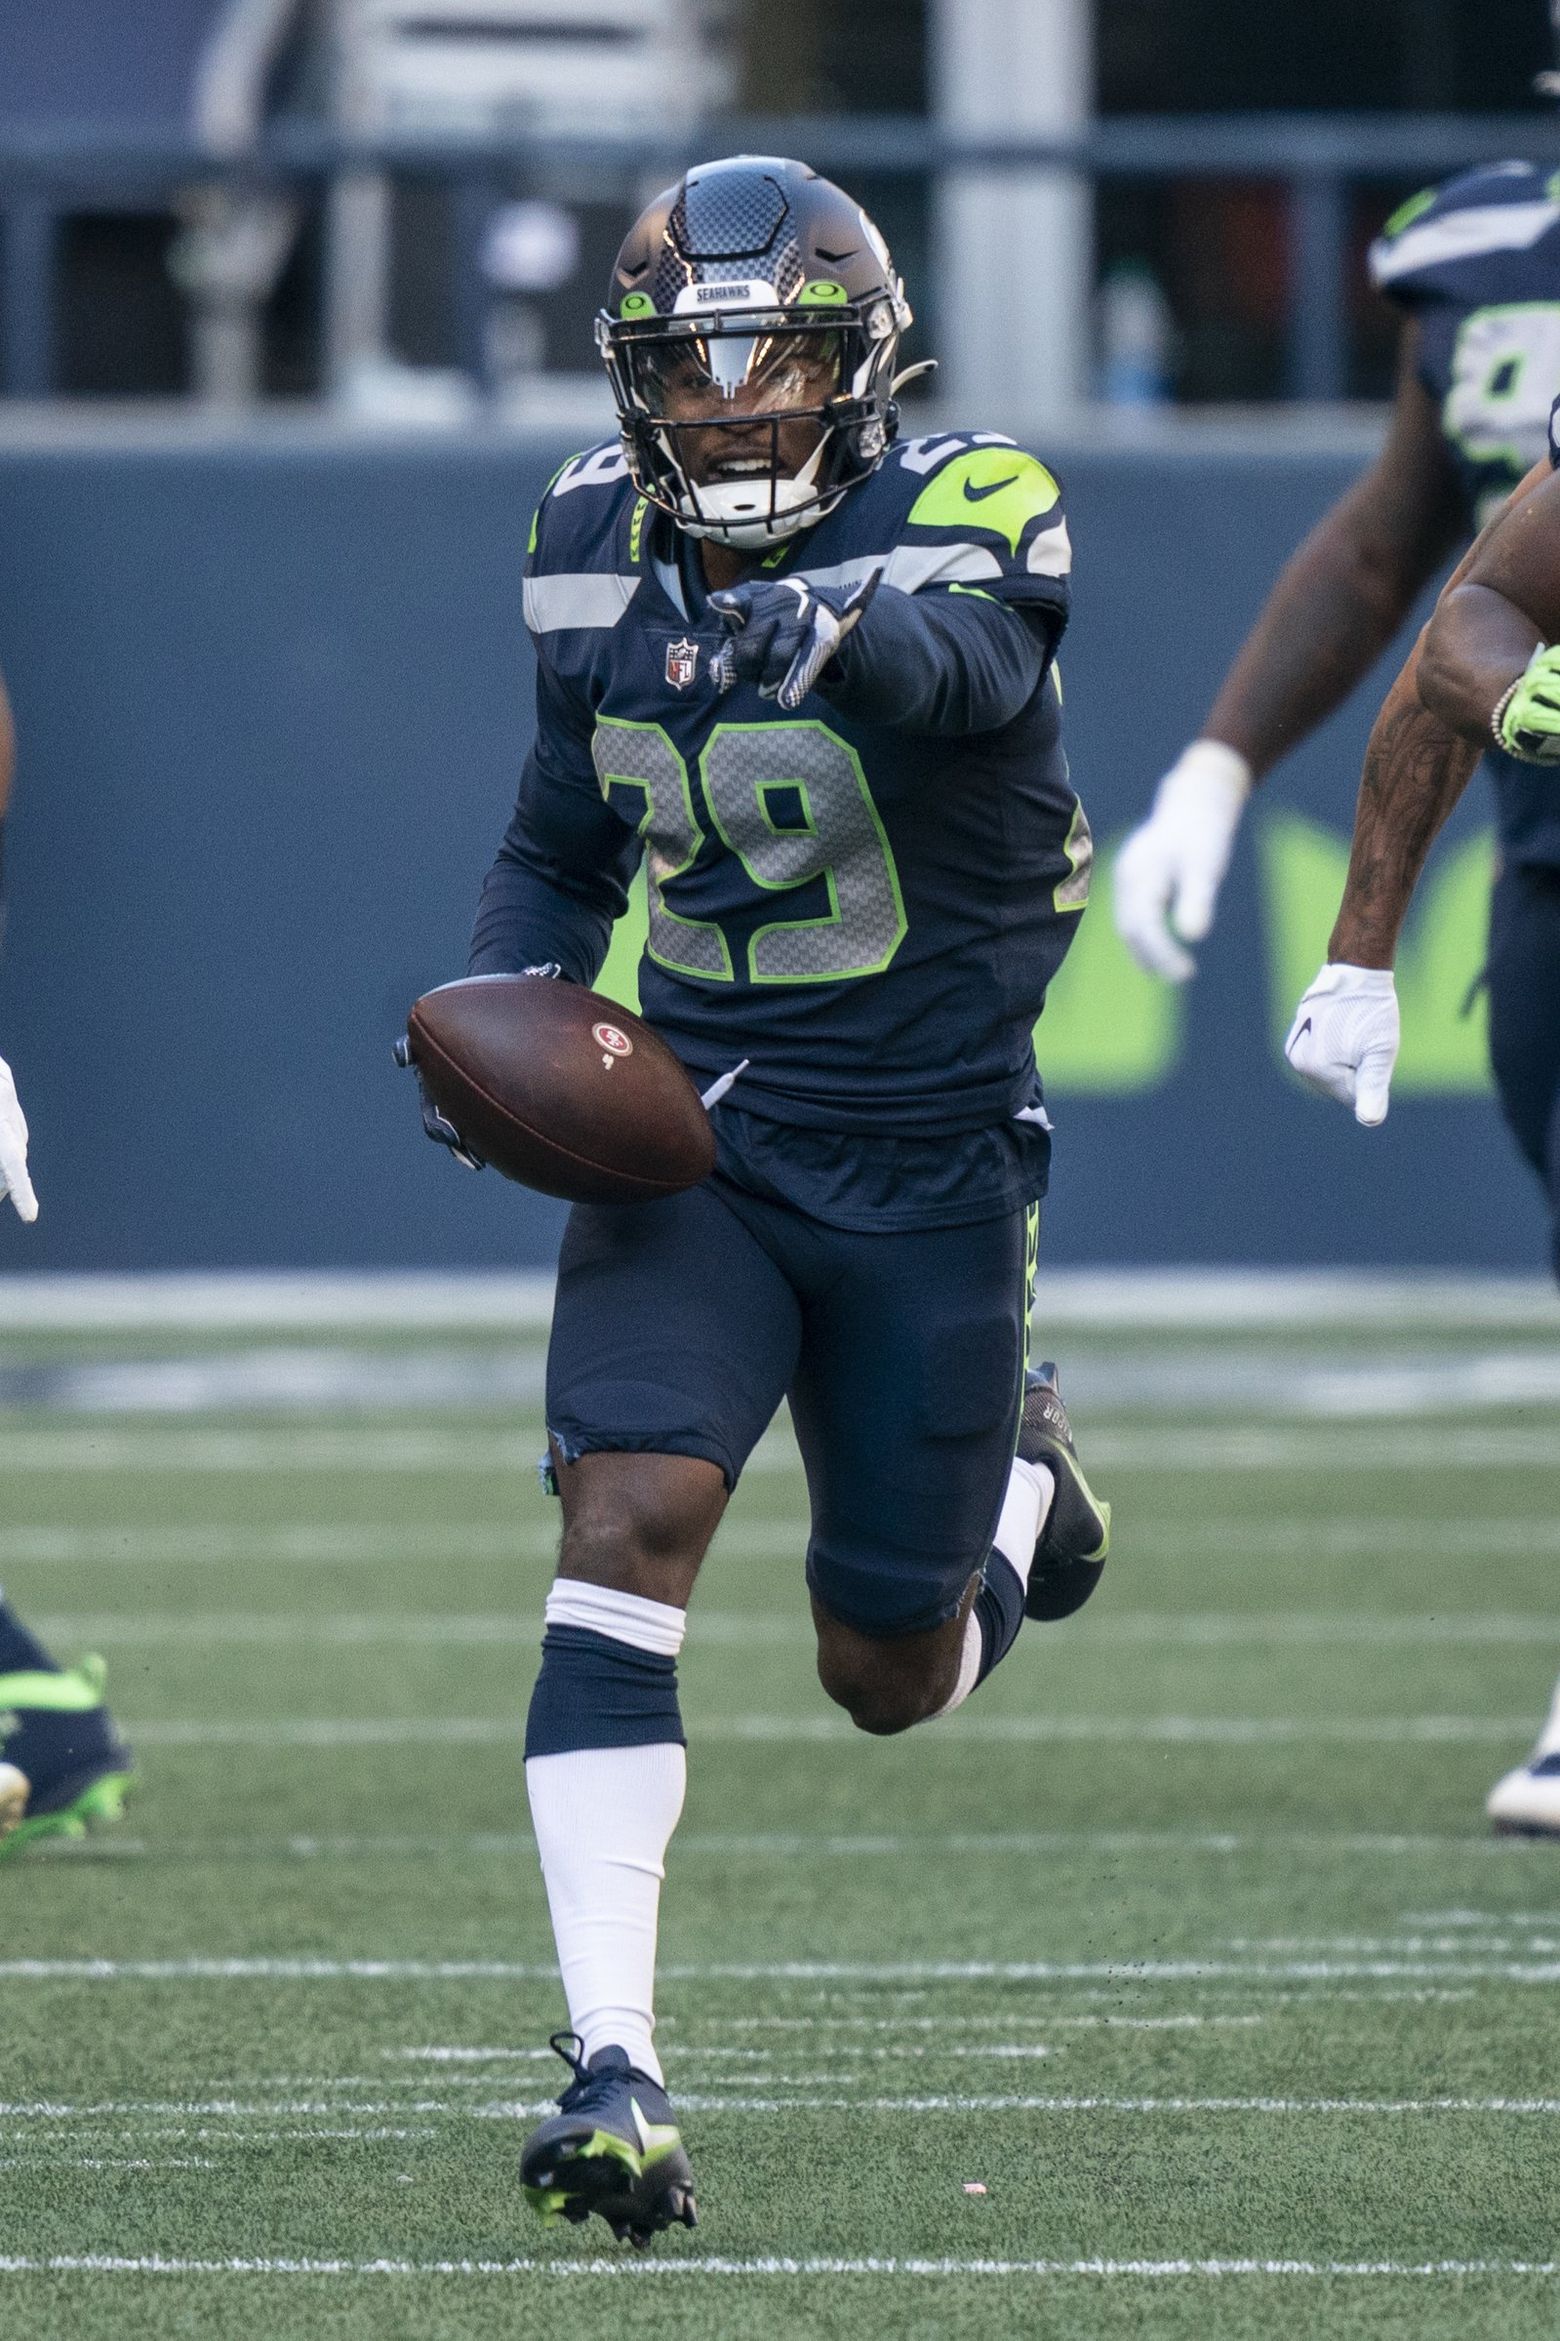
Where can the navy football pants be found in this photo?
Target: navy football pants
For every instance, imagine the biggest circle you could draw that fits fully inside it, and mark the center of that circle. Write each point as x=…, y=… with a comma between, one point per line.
x=1524, y=981
x=681, y=1325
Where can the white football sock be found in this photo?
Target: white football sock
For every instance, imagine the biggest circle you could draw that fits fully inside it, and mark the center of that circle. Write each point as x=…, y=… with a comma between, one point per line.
x=1549, y=1737
x=1025, y=1510
x=603, y=1819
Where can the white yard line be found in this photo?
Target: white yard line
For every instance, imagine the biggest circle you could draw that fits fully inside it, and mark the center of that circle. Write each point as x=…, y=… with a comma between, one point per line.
x=300, y=1969
x=288, y=1448
x=107, y=2162
x=637, y=2269
x=800, y=2097
x=745, y=1630
x=799, y=1731
x=456, y=1538
x=759, y=1846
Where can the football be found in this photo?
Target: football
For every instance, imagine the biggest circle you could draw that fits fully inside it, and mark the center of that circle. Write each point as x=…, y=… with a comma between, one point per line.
x=560, y=1089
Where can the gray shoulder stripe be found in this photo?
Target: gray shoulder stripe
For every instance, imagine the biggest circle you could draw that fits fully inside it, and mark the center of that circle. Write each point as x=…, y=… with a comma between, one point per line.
x=587, y=597
x=909, y=567
x=1462, y=235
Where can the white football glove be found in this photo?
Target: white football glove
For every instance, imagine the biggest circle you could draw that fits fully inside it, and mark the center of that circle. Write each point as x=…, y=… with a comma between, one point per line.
x=1169, y=871
x=1344, y=1039
x=13, y=1149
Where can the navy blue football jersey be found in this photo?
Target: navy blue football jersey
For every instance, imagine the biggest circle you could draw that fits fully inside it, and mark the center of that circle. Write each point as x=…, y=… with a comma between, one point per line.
x=869, y=914
x=1477, y=264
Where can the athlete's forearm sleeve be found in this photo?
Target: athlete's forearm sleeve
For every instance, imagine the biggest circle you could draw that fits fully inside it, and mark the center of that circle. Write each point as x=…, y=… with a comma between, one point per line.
x=527, y=916
x=944, y=662
x=561, y=874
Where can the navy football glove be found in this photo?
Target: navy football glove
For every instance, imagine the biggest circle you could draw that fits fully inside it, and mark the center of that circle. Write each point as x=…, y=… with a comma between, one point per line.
x=784, y=633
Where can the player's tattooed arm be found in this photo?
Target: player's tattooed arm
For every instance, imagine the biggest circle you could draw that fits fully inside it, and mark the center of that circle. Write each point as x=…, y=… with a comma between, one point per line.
x=1415, y=770
x=1423, y=750
x=1343, y=595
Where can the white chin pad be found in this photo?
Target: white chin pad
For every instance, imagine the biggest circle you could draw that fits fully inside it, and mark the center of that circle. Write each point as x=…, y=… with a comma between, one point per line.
x=757, y=511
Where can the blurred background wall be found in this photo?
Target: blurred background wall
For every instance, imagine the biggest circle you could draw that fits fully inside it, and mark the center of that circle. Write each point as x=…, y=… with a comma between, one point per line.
x=269, y=444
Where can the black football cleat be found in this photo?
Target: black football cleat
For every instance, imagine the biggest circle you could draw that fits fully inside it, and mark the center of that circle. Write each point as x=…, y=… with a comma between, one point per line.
x=1070, y=1554
x=59, y=1739
x=612, y=2147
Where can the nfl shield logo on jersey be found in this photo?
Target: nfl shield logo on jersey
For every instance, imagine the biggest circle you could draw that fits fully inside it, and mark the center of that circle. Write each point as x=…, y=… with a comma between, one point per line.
x=682, y=663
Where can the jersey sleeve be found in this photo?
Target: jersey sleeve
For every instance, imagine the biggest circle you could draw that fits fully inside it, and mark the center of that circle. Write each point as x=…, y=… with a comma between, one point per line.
x=974, y=596
x=1429, y=246
x=561, y=875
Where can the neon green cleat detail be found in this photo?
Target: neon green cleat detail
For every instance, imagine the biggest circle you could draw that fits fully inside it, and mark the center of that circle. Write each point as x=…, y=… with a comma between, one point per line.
x=59, y=1742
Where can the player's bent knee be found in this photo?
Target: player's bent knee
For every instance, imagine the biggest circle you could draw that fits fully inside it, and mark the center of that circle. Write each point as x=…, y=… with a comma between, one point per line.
x=639, y=1523
x=885, y=1687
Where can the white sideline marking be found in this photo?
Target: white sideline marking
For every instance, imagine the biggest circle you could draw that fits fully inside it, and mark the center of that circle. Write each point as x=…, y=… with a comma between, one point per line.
x=797, y=1731
x=1118, y=1971
x=1094, y=1299
x=639, y=2269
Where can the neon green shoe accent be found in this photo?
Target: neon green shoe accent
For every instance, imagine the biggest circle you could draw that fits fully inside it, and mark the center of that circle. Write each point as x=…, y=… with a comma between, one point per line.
x=73, y=1691
x=1000, y=489
x=606, y=2145
x=97, y=1807
x=547, y=2202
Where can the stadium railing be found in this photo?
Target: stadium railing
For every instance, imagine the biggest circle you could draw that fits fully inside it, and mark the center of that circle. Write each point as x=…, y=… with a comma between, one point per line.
x=45, y=173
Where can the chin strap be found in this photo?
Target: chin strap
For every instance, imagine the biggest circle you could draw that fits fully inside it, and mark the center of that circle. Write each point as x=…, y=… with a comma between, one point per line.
x=911, y=374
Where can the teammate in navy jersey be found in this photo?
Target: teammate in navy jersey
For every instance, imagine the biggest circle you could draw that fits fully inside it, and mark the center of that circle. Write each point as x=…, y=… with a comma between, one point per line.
x=1475, y=268
x=805, y=670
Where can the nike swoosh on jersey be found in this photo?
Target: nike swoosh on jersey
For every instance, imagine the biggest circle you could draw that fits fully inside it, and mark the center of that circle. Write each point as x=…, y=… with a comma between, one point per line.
x=974, y=495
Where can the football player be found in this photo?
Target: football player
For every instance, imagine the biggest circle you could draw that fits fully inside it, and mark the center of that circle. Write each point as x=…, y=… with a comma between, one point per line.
x=1482, y=675
x=804, y=670
x=63, y=1766
x=1474, y=266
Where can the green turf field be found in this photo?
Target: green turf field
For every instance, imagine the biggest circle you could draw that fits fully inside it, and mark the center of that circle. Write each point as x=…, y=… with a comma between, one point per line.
x=1185, y=1941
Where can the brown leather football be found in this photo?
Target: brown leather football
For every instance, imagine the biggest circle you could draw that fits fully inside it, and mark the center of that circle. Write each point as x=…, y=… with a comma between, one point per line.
x=560, y=1089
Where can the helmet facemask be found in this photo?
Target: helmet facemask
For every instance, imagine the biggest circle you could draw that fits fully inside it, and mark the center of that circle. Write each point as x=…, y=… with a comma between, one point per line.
x=748, y=424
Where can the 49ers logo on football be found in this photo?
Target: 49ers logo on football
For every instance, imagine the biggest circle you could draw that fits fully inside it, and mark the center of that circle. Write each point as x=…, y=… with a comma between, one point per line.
x=611, y=1042
x=682, y=663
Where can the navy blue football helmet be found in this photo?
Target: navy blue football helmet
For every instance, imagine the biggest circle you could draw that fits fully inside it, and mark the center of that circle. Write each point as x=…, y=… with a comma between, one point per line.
x=753, y=292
